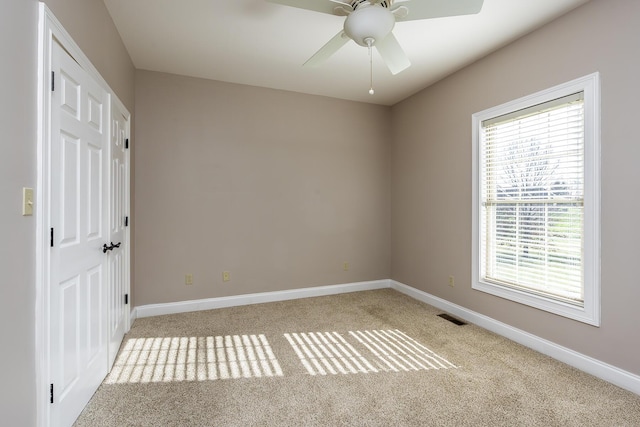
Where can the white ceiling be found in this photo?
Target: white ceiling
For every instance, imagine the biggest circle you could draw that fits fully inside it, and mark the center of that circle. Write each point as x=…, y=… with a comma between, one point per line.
x=257, y=43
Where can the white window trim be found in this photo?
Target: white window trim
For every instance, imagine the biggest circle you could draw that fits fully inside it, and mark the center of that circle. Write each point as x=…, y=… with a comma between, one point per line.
x=590, y=312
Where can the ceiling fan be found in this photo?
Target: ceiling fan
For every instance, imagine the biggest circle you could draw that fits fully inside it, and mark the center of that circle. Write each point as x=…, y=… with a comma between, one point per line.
x=369, y=23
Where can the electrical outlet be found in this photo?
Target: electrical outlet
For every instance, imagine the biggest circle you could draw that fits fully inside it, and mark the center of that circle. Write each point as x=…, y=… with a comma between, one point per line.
x=188, y=279
x=226, y=276
x=345, y=266
x=451, y=281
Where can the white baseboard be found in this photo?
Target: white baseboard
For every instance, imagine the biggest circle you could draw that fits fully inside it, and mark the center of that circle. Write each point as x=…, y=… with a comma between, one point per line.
x=133, y=316
x=592, y=366
x=258, y=298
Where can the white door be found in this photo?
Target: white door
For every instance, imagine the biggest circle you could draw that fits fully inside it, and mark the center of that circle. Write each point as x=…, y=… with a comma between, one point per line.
x=79, y=228
x=118, y=220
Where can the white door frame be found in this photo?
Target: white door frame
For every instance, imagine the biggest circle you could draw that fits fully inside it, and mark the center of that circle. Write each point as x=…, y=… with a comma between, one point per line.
x=49, y=31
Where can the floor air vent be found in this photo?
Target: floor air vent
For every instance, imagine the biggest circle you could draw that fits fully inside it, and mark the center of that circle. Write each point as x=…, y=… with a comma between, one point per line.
x=452, y=319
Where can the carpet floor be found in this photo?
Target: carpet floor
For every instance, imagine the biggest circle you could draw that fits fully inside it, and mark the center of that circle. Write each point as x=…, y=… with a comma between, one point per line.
x=375, y=358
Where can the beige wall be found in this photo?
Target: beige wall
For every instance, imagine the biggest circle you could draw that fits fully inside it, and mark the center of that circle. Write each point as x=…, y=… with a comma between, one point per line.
x=276, y=187
x=431, y=173
x=18, y=46
x=93, y=30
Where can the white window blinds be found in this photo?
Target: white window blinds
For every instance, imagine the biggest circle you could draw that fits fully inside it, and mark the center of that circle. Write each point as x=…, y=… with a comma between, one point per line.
x=532, y=199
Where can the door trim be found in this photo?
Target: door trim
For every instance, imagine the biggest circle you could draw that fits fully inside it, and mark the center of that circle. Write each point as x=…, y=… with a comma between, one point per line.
x=50, y=30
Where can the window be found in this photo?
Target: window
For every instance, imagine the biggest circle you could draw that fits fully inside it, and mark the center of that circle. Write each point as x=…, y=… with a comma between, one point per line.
x=536, y=200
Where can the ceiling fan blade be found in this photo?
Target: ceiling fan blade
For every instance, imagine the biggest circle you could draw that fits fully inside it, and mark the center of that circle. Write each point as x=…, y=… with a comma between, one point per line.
x=392, y=54
x=327, y=50
x=425, y=9
x=332, y=7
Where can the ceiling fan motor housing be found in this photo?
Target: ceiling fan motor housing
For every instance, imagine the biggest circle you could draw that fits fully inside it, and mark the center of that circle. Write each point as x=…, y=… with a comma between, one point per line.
x=369, y=21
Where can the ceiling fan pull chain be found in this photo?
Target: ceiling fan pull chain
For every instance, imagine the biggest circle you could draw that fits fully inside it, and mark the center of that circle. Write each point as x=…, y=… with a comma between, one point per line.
x=369, y=43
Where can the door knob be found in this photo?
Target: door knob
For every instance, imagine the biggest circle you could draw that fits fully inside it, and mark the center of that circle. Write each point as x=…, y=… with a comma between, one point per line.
x=111, y=247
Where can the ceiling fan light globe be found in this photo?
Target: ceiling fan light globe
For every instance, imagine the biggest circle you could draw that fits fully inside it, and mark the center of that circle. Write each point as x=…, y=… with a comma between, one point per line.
x=373, y=21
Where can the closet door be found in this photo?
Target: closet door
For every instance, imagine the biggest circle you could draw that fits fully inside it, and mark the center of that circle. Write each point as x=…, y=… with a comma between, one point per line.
x=118, y=220
x=79, y=188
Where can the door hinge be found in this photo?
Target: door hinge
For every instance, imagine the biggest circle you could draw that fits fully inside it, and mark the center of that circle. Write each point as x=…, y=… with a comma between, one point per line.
x=126, y=299
x=50, y=393
x=126, y=221
x=53, y=81
x=51, y=237
x=126, y=143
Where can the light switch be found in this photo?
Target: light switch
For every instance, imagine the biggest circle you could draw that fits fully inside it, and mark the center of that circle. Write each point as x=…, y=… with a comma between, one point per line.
x=27, y=201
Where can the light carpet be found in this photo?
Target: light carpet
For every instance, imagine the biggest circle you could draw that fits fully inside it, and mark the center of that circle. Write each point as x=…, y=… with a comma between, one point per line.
x=375, y=358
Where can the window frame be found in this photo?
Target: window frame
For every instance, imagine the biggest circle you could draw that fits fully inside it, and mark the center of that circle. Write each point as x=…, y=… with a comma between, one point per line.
x=589, y=312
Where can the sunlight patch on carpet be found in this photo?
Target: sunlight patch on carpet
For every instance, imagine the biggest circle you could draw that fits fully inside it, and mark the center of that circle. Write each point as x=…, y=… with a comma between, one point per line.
x=328, y=353
x=397, y=351
x=167, y=359
x=324, y=353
